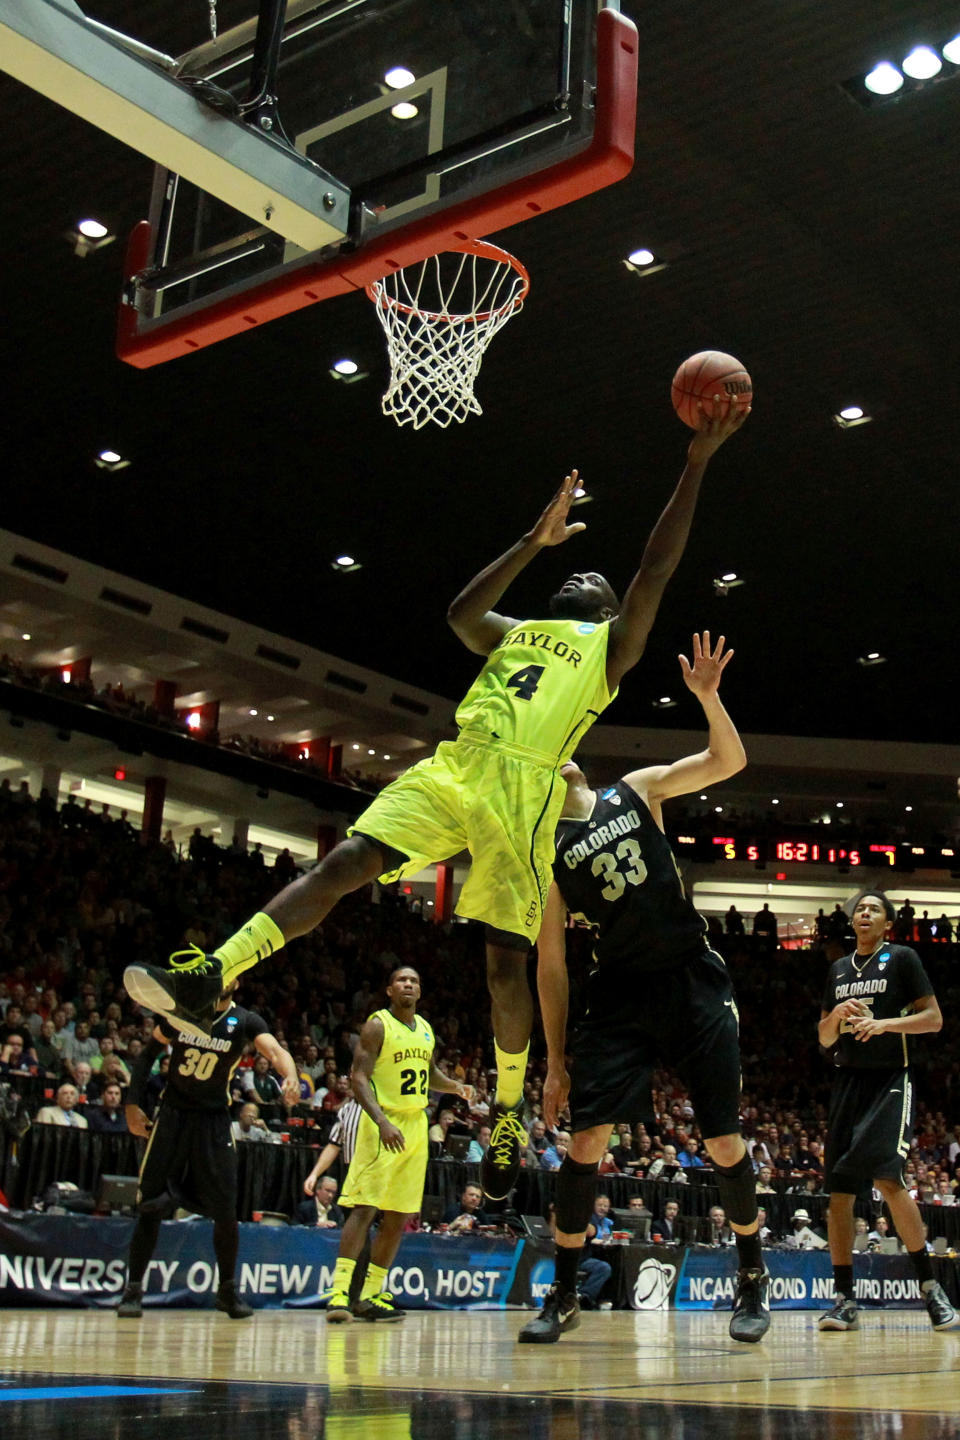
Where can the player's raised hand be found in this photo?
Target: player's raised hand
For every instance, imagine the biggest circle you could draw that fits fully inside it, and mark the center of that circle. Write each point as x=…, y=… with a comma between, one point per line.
x=392, y=1137
x=703, y=676
x=291, y=1092
x=552, y=527
x=724, y=421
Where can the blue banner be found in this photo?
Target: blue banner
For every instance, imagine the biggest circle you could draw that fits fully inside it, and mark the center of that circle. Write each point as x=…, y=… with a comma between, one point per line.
x=81, y=1260
x=799, y=1280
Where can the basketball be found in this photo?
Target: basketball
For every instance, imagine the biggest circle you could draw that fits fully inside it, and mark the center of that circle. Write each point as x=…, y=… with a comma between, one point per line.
x=709, y=373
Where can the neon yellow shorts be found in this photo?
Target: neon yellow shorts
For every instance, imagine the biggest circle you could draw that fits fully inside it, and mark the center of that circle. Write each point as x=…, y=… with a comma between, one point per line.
x=482, y=797
x=389, y=1179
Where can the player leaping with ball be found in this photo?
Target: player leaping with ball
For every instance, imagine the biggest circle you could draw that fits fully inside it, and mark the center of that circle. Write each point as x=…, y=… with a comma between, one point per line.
x=495, y=790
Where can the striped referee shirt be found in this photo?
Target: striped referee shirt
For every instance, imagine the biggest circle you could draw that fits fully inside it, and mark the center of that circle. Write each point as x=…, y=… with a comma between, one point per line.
x=344, y=1132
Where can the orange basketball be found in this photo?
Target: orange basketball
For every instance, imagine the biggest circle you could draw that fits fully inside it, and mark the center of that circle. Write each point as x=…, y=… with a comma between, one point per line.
x=709, y=373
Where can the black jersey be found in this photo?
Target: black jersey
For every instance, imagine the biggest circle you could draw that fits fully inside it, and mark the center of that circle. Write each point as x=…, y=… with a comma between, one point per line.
x=200, y=1068
x=888, y=983
x=618, y=872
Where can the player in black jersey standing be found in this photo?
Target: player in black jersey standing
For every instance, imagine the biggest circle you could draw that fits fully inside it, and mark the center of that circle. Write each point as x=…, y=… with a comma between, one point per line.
x=658, y=993
x=874, y=1002
x=191, y=1158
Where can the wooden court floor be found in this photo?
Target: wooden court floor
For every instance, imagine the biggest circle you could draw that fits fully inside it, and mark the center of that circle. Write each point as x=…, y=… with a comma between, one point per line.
x=461, y=1376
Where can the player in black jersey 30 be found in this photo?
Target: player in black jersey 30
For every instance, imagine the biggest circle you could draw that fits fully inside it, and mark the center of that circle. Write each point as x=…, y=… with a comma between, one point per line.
x=657, y=994
x=191, y=1158
x=875, y=1001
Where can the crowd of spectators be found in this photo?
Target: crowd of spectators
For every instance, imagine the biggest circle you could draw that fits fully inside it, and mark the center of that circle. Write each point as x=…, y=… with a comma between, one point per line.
x=81, y=895
x=117, y=700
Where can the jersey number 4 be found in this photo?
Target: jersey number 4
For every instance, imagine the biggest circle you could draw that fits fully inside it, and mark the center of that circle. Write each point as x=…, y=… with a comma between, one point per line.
x=525, y=681
x=408, y=1082
x=619, y=868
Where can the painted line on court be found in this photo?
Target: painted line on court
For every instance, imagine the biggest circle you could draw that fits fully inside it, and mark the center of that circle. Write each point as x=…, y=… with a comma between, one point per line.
x=87, y=1392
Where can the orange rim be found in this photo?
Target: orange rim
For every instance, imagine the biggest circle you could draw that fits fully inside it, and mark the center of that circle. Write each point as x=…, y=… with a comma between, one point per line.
x=486, y=251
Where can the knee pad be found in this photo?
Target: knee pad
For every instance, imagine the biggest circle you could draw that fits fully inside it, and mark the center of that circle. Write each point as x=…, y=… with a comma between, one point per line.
x=576, y=1192
x=738, y=1190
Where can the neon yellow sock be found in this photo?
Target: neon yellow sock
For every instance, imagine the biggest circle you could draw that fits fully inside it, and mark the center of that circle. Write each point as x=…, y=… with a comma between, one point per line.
x=259, y=938
x=374, y=1283
x=343, y=1274
x=511, y=1072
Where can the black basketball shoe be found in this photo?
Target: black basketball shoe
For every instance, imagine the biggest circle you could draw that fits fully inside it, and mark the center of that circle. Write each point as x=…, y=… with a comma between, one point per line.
x=185, y=994
x=228, y=1300
x=560, y=1314
x=941, y=1312
x=750, y=1320
x=500, y=1166
x=131, y=1301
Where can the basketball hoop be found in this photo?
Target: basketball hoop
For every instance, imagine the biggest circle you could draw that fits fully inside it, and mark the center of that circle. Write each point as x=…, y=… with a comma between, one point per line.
x=439, y=316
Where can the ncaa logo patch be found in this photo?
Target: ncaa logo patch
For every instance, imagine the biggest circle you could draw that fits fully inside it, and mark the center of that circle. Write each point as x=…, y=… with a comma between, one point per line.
x=232, y=1022
x=612, y=796
x=586, y=629
x=651, y=1290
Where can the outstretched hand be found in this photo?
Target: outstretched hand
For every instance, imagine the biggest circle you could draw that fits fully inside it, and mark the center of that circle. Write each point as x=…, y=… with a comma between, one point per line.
x=723, y=421
x=703, y=676
x=552, y=527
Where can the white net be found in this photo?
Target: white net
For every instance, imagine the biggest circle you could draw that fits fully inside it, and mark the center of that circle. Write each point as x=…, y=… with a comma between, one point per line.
x=439, y=316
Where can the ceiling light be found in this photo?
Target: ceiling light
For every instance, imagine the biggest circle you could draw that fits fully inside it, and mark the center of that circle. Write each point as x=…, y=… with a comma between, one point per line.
x=271, y=717
x=922, y=63
x=404, y=110
x=386, y=757
x=664, y=703
x=908, y=808
x=346, y=370
x=371, y=752
x=346, y=366
x=110, y=460
x=346, y=564
x=884, y=79
x=839, y=804
x=87, y=236
x=398, y=77
x=850, y=416
x=26, y=636
x=729, y=577
x=193, y=720
x=718, y=809
x=641, y=257
x=253, y=712
x=356, y=747
x=951, y=51
x=774, y=802
x=703, y=797
x=874, y=658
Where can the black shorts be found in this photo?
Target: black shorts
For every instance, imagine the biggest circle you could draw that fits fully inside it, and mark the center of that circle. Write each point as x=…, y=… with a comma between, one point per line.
x=869, y=1128
x=685, y=1018
x=190, y=1163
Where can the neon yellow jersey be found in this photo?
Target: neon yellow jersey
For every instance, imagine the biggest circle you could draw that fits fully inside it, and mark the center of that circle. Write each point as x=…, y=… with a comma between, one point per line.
x=401, y=1075
x=542, y=687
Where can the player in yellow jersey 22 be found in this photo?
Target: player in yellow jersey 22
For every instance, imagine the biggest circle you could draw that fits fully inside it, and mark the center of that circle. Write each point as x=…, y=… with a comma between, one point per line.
x=393, y=1072
x=495, y=790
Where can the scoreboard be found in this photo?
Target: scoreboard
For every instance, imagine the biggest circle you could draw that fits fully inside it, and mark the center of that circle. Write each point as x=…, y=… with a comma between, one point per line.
x=781, y=849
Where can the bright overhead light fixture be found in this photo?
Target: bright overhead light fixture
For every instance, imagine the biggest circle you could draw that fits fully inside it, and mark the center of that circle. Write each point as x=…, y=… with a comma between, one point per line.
x=271, y=717
x=346, y=366
x=850, y=416
x=723, y=584
x=922, y=63
x=883, y=79
x=347, y=370
x=93, y=229
x=26, y=636
x=873, y=658
x=88, y=235
x=398, y=77
x=346, y=564
x=664, y=703
x=641, y=257
x=643, y=261
x=253, y=712
x=908, y=808
x=110, y=460
x=404, y=110
x=839, y=804
x=356, y=747
x=951, y=51
x=371, y=752
x=774, y=802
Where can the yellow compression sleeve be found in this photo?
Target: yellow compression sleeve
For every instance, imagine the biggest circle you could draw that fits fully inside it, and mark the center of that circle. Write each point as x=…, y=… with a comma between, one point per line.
x=259, y=938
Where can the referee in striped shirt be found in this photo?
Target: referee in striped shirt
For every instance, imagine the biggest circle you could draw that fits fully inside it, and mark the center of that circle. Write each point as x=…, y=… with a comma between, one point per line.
x=342, y=1141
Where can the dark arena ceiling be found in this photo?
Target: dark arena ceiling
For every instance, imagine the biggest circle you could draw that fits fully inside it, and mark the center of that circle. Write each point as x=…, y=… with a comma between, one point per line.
x=813, y=237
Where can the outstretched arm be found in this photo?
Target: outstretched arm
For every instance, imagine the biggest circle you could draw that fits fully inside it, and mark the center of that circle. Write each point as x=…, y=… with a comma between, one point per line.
x=629, y=631
x=472, y=615
x=282, y=1061
x=724, y=754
